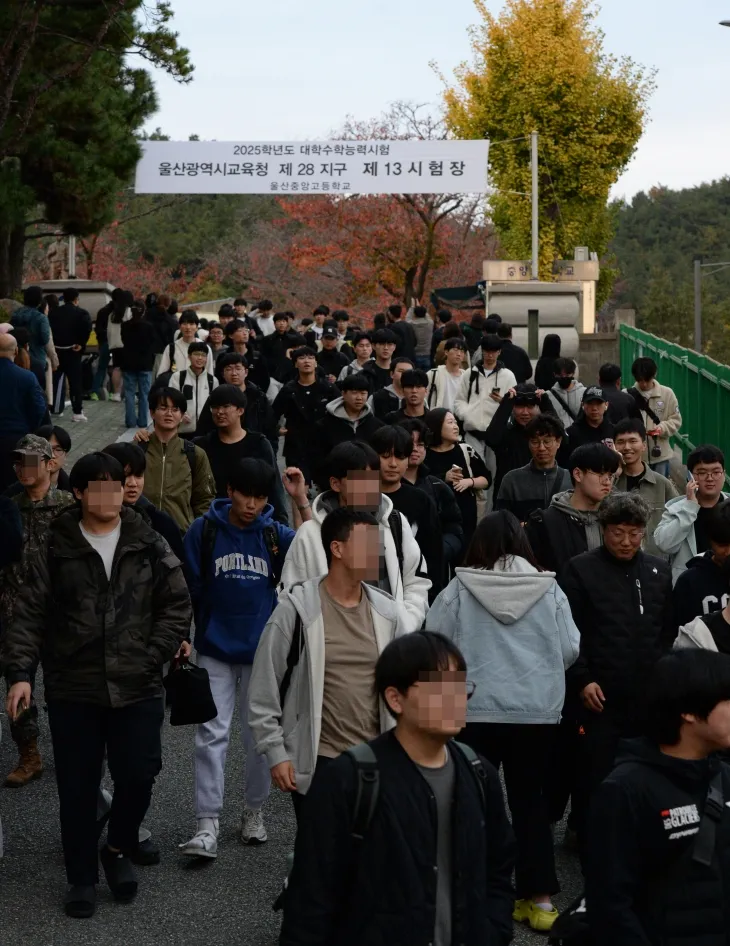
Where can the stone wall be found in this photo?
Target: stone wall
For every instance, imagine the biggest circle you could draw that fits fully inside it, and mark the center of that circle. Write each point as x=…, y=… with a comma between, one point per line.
x=594, y=351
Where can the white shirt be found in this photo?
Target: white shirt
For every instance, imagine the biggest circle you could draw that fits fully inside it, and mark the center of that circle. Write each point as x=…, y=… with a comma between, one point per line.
x=266, y=324
x=105, y=545
x=451, y=389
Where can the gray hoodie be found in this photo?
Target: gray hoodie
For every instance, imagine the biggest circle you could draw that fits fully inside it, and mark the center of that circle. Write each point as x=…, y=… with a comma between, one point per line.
x=337, y=409
x=589, y=518
x=513, y=625
x=291, y=732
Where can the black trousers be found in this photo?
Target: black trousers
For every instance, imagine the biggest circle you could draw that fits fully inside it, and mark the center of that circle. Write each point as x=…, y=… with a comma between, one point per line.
x=299, y=800
x=524, y=752
x=563, y=773
x=69, y=367
x=131, y=736
x=603, y=732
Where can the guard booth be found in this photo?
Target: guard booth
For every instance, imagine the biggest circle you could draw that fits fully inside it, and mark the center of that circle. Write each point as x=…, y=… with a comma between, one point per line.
x=534, y=309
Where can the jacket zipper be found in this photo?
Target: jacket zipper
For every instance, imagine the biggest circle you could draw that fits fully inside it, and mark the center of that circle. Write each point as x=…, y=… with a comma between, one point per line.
x=641, y=599
x=162, y=479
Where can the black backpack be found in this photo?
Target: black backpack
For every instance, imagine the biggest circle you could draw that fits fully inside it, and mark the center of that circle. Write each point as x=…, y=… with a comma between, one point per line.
x=163, y=380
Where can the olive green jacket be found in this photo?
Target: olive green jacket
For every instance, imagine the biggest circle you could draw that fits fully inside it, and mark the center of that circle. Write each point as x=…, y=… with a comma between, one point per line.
x=171, y=485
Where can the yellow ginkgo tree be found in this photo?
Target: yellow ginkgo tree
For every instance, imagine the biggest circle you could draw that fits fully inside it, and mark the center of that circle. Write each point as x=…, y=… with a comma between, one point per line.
x=541, y=66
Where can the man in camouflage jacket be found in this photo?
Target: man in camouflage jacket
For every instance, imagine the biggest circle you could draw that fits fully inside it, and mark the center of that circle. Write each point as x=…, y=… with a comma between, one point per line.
x=38, y=504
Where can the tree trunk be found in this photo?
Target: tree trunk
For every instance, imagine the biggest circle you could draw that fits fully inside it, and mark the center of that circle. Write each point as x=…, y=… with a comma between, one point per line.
x=12, y=247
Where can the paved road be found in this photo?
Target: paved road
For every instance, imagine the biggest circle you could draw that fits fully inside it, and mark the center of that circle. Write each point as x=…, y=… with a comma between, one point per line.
x=226, y=902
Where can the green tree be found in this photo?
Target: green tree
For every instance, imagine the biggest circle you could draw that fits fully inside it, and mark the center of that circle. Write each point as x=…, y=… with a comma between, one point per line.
x=541, y=66
x=69, y=146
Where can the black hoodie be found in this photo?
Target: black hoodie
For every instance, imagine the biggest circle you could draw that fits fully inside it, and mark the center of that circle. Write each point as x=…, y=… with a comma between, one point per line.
x=642, y=886
x=703, y=588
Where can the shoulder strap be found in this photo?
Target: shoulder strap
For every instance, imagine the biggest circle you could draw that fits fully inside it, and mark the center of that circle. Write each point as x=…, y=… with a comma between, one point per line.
x=643, y=404
x=465, y=449
x=271, y=538
x=473, y=376
x=211, y=381
x=207, y=545
x=183, y=378
x=172, y=355
x=475, y=763
x=396, y=527
x=189, y=451
x=144, y=445
x=368, y=788
x=563, y=404
x=704, y=846
x=292, y=659
x=432, y=387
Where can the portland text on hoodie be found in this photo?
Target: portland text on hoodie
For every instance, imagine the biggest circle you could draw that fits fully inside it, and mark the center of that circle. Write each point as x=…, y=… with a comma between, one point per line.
x=234, y=600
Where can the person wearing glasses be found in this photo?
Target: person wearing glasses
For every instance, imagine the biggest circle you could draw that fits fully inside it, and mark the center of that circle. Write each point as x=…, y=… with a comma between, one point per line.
x=178, y=478
x=513, y=624
x=230, y=442
x=415, y=873
x=621, y=599
x=533, y=486
x=682, y=531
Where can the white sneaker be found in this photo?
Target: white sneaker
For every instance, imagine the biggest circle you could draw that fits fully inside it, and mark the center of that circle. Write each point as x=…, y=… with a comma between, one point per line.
x=252, y=827
x=80, y=418
x=115, y=397
x=204, y=843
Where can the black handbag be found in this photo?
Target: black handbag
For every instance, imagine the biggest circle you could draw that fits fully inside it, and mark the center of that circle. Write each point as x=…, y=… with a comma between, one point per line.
x=188, y=694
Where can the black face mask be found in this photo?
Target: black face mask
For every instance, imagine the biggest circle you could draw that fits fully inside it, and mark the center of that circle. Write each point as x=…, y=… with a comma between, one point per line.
x=565, y=382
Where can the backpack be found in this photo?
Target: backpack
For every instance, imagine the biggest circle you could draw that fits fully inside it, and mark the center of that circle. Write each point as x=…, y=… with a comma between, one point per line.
x=296, y=647
x=163, y=380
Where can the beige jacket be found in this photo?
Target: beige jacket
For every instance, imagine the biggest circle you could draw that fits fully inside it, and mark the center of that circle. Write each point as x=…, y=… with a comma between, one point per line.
x=663, y=401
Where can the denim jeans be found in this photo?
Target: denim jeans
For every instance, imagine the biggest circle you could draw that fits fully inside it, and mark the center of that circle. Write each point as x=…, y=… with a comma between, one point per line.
x=136, y=382
x=662, y=468
x=101, y=368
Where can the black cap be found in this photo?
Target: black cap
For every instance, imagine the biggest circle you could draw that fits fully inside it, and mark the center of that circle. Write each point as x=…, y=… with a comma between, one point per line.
x=526, y=393
x=330, y=333
x=593, y=394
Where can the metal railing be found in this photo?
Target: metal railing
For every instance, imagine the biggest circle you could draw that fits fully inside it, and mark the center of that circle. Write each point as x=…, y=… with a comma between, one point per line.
x=702, y=387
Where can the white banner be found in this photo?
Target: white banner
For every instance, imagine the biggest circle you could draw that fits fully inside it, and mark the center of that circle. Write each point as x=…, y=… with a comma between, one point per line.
x=316, y=167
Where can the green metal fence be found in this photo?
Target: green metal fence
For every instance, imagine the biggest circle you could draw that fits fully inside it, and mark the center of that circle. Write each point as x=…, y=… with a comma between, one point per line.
x=702, y=387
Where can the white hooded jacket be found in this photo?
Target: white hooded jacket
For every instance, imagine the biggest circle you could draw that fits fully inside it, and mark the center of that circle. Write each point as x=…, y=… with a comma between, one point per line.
x=306, y=559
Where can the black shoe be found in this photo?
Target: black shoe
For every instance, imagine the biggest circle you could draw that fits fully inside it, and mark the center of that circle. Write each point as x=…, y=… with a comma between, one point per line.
x=120, y=875
x=80, y=902
x=145, y=854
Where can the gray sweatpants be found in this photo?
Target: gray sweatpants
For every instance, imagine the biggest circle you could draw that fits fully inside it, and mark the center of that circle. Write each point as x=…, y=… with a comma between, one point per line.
x=229, y=685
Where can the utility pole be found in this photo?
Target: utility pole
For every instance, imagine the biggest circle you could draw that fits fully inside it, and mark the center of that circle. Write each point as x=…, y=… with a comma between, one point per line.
x=535, y=210
x=698, y=304
x=72, y=257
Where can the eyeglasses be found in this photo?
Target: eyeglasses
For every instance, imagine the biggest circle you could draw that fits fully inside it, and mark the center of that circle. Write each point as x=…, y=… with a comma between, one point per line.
x=633, y=535
x=58, y=451
x=543, y=442
x=602, y=477
x=168, y=410
x=708, y=474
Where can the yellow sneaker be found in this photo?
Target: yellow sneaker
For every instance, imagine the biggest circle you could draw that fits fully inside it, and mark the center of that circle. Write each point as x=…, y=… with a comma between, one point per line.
x=527, y=911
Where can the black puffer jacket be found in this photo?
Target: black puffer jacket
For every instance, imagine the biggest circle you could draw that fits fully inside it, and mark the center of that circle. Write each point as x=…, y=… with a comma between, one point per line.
x=259, y=416
x=642, y=886
x=389, y=898
x=165, y=326
x=99, y=641
x=625, y=616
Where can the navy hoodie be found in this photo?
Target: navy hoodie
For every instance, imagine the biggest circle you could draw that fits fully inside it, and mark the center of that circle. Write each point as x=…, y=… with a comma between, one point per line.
x=238, y=596
x=703, y=588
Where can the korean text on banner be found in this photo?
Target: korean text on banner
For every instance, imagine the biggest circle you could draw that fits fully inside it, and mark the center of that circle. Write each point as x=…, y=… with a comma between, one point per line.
x=329, y=167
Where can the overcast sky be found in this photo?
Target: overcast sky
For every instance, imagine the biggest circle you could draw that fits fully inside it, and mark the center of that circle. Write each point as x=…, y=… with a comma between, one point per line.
x=293, y=69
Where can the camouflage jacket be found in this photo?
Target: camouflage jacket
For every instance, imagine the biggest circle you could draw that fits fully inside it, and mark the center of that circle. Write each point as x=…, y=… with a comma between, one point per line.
x=36, y=518
x=100, y=640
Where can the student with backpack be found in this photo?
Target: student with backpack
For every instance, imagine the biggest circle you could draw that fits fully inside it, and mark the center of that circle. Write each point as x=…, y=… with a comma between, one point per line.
x=234, y=555
x=380, y=857
x=196, y=385
x=352, y=473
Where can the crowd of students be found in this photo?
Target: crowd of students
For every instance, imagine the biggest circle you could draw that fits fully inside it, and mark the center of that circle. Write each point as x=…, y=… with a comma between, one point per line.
x=450, y=551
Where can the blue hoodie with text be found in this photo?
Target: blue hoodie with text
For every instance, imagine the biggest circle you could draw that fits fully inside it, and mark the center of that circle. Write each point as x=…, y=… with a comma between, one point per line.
x=234, y=602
